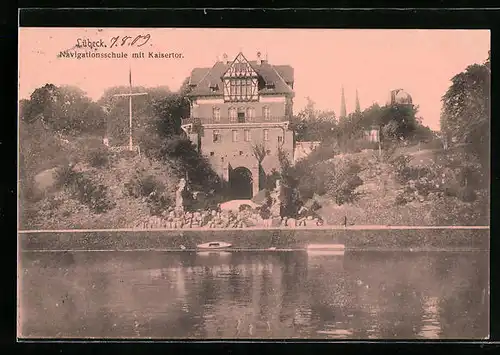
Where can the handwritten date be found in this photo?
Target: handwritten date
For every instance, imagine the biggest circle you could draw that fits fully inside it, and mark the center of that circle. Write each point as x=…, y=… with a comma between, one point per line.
x=117, y=41
x=138, y=41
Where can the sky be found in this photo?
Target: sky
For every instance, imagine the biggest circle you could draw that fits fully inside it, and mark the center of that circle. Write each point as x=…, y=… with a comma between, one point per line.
x=373, y=62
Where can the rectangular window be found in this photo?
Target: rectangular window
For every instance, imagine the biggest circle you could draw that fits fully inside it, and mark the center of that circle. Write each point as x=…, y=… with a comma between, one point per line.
x=247, y=135
x=232, y=115
x=250, y=113
x=216, y=114
x=240, y=89
x=280, y=139
x=235, y=135
x=266, y=134
x=216, y=136
x=266, y=113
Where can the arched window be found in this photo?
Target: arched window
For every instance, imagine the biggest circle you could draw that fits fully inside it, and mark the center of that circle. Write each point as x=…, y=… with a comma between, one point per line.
x=232, y=114
x=266, y=113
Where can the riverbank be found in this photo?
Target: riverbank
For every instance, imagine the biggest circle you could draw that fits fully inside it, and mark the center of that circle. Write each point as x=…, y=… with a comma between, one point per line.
x=423, y=238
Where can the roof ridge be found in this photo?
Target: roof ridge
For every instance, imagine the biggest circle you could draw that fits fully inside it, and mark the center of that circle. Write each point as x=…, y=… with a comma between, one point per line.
x=208, y=72
x=194, y=69
x=283, y=80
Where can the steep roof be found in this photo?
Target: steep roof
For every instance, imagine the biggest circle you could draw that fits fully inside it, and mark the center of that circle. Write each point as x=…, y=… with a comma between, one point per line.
x=202, y=79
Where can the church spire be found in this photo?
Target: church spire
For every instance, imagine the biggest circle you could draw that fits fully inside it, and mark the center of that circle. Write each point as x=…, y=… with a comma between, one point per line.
x=358, y=108
x=343, y=113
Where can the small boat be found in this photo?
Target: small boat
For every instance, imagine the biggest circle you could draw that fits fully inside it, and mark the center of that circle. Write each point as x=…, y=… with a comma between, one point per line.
x=326, y=247
x=214, y=245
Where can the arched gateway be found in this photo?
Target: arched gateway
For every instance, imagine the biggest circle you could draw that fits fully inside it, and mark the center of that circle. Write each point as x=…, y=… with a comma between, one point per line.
x=241, y=183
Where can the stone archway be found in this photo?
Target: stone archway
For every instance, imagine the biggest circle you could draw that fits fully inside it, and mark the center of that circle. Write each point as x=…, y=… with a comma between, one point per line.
x=241, y=183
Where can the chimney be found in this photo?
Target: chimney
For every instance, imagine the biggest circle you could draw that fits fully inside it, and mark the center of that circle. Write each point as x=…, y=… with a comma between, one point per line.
x=259, y=58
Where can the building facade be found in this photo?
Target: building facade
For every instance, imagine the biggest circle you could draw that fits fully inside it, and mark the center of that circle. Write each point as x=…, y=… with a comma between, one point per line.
x=237, y=106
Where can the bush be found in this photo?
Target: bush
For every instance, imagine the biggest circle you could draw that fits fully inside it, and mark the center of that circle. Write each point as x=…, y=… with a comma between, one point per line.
x=158, y=203
x=92, y=195
x=342, y=180
x=143, y=185
x=400, y=199
x=467, y=194
x=84, y=189
x=148, y=187
x=65, y=176
x=98, y=157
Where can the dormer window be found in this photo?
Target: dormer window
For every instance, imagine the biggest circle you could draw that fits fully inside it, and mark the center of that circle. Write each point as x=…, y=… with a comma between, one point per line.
x=214, y=87
x=270, y=85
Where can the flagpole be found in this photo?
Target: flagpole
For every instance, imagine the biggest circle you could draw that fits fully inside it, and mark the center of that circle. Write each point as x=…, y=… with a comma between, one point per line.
x=130, y=94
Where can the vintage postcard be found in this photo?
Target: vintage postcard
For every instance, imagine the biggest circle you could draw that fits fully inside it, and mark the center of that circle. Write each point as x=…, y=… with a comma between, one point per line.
x=204, y=183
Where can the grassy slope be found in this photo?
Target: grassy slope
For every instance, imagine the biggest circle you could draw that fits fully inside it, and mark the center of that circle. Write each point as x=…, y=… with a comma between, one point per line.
x=59, y=210
x=376, y=202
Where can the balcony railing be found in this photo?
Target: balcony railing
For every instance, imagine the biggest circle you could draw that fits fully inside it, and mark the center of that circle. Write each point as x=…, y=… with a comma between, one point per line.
x=226, y=120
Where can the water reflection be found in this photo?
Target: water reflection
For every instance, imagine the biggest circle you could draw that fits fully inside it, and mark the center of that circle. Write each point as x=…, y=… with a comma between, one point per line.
x=369, y=295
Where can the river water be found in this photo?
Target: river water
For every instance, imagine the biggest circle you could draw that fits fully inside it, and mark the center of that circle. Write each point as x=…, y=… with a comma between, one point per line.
x=358, y=295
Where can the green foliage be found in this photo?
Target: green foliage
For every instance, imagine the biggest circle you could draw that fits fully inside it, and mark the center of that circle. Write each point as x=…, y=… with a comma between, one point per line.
x=143, y=185
x=311, y=124
x=144, y=113
x=201, y=176
x=465, y=118
x=259, y=152
x=84, y=189
x=312, y=171
x=341, y=181
x=271, y=178
x=290, y=182
x=39, y=149
x=66, y=176
x=169, y=113
x=63, y=109
x=98, y=157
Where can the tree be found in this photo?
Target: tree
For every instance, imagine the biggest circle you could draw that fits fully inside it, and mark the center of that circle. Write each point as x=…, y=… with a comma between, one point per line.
x=465, y=118
x=63, y=109
x=311, y=124
x=143, y=112
x=259, y=152
x=290, y=182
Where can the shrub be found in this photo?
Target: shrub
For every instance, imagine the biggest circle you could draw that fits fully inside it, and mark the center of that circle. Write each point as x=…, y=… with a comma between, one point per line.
x=158, y=203
x=65, y=176
x=98, y=157
x=148, y=187
x=400, y=199
x=92, y=195
x=84, y=189
x=143, y=185
x=467, y=194
x=342, y=180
